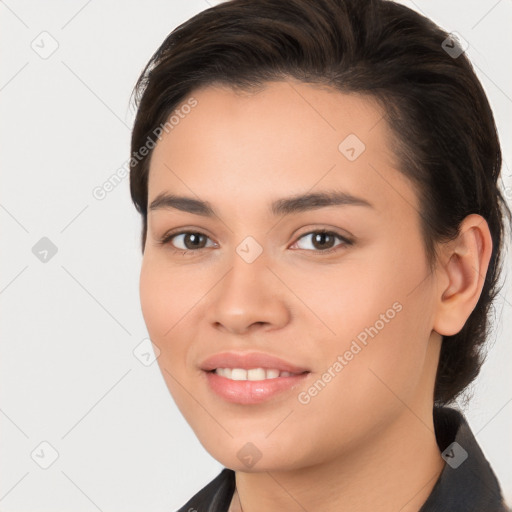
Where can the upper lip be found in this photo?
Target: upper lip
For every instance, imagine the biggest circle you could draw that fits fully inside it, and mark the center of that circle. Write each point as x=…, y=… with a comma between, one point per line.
x=248, y=360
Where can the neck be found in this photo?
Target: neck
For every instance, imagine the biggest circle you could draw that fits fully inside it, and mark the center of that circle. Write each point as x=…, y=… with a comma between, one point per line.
x=398, y=470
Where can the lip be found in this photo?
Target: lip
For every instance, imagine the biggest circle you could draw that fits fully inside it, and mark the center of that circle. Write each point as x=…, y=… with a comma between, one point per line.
x=248, y=360
x=250, y=392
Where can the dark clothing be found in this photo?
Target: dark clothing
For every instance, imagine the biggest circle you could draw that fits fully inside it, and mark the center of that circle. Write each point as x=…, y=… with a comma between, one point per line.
x=466, y=484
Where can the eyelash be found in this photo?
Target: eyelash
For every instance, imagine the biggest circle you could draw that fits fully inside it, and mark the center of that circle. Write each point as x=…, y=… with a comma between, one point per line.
x=166, y=239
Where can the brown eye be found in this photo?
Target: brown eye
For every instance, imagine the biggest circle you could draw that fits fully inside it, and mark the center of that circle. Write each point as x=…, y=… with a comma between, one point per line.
x=194, y=240
x=186, y=240
x=323, y=241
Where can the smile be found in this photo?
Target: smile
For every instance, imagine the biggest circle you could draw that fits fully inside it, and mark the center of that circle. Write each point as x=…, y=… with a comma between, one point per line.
x=251, y=374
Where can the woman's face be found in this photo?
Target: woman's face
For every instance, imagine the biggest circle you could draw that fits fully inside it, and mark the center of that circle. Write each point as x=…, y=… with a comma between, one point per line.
x=348, y=314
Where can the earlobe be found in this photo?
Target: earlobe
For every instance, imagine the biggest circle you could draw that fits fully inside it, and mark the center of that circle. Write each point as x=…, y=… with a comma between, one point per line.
x=466, y=262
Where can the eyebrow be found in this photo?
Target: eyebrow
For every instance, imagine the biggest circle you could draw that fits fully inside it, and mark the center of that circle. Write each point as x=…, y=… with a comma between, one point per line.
x=284, y=206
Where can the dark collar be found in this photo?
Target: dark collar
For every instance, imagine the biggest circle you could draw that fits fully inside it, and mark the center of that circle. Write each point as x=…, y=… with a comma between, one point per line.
x=466, y=484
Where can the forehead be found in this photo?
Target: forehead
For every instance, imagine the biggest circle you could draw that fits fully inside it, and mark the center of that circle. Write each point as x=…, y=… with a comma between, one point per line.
x=286, y=138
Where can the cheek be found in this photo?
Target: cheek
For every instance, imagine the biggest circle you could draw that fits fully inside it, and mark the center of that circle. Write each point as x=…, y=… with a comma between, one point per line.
x=165, y=295
x=381, y=314
x=153, y=299
x=386, y=367
x=164, y=302
x=365, y=389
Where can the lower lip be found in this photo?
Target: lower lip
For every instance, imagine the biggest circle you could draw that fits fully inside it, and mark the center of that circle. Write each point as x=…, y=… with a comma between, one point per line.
x=251, y=391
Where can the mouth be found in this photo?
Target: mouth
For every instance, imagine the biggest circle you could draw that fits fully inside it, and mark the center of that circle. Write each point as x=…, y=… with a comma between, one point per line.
x=250, y=377
x=253, y=374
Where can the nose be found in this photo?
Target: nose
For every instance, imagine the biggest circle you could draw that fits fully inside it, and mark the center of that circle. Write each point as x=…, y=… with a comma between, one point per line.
x=250, y=296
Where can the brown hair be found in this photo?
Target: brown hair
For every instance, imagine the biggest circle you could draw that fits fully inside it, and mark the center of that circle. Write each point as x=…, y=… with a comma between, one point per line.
x=445, y=134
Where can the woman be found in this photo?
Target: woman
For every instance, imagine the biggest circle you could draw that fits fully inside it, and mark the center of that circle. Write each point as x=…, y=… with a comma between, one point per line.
x=322, y=239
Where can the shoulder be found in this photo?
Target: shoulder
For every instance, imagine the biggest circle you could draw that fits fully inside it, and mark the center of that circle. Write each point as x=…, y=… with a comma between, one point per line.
x=467, y=482
x=215, y=496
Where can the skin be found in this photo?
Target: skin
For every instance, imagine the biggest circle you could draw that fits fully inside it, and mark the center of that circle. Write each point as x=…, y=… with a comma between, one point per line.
x=368, y=436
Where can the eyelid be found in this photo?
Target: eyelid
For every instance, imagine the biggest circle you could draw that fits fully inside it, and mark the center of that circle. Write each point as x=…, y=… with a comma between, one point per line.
x=168, y=236
x=322, y=228
x=345, y=239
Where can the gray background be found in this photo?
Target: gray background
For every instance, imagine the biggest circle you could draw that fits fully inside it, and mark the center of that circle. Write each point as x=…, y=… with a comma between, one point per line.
x=70, y=324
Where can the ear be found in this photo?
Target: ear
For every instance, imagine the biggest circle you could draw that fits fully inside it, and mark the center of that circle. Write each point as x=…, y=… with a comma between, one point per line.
x=462, y=267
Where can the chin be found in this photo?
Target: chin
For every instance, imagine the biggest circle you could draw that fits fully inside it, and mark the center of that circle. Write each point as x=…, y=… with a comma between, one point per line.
x=242, y=454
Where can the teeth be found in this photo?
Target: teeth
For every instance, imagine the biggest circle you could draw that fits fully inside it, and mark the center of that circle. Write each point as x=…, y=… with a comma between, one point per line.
x=252, y=374
x=272, y=374
x=238, y=374
x=256, y=374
